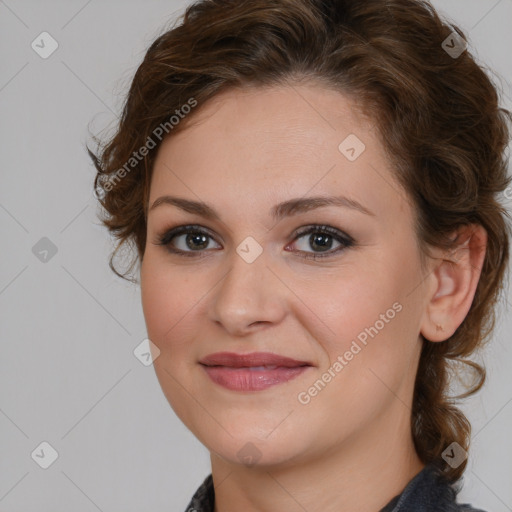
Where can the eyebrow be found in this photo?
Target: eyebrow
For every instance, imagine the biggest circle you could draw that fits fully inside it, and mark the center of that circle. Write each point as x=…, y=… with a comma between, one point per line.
x=285, y=209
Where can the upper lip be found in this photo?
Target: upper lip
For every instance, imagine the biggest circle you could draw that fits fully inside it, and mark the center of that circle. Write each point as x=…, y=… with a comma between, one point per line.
x=234, y=360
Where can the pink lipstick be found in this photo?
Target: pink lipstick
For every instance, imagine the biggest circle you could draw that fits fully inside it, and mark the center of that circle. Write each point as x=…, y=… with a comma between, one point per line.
x=251, y=372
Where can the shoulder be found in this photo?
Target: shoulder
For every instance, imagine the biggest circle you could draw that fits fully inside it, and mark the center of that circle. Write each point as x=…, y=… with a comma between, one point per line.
x=461, y=507
x=466, y=507
x=429, y=491
x=204, y=497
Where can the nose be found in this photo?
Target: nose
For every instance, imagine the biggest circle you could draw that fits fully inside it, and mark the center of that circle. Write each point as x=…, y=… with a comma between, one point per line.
x=250, y=296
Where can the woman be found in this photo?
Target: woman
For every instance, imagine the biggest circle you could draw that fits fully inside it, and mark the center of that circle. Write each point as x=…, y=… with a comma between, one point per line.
x=313, y=191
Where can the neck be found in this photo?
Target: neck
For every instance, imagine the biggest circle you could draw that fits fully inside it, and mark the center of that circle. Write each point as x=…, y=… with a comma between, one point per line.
x=363, y=474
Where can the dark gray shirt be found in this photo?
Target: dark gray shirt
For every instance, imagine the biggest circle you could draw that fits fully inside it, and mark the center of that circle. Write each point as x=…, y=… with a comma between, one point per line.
x=428, y=491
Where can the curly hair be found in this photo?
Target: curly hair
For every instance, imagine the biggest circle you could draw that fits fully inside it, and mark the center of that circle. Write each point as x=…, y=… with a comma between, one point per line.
x=438, y=117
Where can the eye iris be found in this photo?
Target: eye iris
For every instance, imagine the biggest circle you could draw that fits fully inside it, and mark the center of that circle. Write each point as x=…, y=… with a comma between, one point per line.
x=197, y=237
x=321, y=240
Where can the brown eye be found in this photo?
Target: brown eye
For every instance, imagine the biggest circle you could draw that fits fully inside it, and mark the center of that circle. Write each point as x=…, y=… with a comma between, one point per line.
x=321, y=239
x=186, y=240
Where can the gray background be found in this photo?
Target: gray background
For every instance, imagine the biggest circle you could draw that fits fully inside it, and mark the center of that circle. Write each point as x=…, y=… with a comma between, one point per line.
x=68, y=326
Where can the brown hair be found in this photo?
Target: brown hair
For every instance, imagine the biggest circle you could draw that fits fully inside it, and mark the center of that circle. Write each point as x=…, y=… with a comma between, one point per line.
x=438, y=116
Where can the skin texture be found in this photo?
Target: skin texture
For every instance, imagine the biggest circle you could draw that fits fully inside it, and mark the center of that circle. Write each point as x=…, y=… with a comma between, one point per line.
x=349, y=448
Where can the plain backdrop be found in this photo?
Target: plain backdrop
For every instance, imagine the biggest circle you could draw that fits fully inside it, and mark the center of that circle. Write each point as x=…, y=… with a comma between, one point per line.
x=69, y=327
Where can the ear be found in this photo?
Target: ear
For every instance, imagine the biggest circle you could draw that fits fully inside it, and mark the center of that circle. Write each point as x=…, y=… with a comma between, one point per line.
x=452, y=283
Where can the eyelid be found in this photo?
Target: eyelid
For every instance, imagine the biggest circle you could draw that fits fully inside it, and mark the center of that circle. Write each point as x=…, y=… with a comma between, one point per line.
x=164, y=239
x=340, y=236
x=323, y=228
x=343, y=238
x=182, y=229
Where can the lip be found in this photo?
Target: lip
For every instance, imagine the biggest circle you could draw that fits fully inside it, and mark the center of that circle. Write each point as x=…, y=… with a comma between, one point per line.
x=246, y=372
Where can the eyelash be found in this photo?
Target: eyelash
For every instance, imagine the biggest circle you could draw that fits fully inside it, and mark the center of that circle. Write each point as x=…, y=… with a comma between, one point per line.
x=345, y=240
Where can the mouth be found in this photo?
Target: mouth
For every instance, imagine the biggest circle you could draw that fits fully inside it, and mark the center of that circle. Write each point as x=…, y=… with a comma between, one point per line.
x=251, y=372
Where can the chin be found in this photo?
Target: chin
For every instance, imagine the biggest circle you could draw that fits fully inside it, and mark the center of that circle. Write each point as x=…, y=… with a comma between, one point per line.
x=254, y=452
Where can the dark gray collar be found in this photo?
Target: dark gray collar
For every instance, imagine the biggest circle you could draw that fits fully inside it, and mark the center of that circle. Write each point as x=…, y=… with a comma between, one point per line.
x=428, y=491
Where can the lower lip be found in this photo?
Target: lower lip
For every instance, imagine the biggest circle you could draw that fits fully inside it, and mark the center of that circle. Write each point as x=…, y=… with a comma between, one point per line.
x=244, y=379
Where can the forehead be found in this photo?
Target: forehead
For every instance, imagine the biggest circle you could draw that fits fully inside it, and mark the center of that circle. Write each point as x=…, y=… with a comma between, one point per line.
x=258, y=144
x=284, y=118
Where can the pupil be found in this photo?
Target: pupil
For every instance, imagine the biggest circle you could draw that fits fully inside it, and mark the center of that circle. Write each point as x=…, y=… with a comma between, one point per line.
x=321, y=240
x=198, y=237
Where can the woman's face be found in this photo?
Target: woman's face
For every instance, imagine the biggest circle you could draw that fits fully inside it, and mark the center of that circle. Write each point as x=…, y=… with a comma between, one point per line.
x=243, y=279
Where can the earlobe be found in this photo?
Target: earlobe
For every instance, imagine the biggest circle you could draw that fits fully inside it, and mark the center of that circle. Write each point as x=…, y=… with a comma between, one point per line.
x=454, y=279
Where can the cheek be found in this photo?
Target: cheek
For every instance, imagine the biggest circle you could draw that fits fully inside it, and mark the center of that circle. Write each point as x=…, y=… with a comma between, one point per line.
x=369, y=349
x=168, y=305
x=166, y=297
x=365, y=310
x=347, y=300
